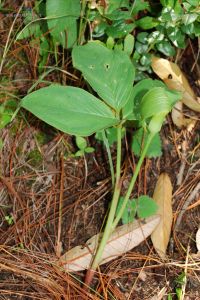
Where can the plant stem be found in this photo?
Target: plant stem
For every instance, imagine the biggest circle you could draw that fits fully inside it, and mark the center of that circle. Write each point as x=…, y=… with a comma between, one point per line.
x=132, y=183
x=105, y=140
x=82, y=24
x=113, y=207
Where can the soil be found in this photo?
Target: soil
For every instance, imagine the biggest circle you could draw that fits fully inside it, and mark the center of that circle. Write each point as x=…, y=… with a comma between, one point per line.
x=39, y=174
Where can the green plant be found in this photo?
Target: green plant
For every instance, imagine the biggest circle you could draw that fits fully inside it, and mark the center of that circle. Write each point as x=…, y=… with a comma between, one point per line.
x=6, y=112
x=81, y=143
x=163, y=27
x=58, y=18
x=179, y=282
x=9, y=219
x=75, y=111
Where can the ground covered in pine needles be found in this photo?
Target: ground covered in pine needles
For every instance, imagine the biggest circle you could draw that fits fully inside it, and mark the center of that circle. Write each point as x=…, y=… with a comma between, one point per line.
x=51, y=201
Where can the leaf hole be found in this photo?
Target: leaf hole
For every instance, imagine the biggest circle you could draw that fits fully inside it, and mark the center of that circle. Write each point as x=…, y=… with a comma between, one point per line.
x=107, y=66
x=170, y=76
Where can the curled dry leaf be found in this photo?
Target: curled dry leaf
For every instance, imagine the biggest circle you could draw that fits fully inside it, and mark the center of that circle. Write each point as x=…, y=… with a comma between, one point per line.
x=174, y=78
x=163, y=197
x=198, y=240
x=177, y=114
x=178, y=118
x=123, y=239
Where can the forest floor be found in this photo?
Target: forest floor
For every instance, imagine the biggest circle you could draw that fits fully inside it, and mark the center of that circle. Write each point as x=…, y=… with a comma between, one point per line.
x=39, y=171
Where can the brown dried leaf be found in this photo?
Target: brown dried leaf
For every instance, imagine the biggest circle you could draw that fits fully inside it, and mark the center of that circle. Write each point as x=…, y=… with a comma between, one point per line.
x=178, y=118
x=163, y=197
x=177, y=115
x=174, y=78
x=123, y=239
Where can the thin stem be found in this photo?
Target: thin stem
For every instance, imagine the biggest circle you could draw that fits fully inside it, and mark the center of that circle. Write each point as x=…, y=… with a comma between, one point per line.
x=132, y=183
x=108, y=228
x=82, y=25
x=105, y=140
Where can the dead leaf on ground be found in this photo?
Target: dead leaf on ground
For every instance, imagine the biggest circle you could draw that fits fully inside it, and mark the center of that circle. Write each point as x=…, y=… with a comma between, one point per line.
x=174, y=78
x=123, y=239
x=178, y=117
x=163, y=197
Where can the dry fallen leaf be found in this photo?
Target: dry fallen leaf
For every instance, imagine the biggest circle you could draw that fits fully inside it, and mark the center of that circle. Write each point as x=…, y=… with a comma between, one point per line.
x=177, y=115
x=123, y=239
x=178, y=118
x=174, y=78
x=163, y=197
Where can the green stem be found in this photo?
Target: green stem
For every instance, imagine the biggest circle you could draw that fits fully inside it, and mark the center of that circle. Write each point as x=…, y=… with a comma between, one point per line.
x=132, y=183
x=113, y=207
x=105, y=140
x=82, y=23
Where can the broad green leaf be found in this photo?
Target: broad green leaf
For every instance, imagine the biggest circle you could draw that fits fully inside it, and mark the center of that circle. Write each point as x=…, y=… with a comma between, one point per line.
x=166, y=48
x=139, y=5
x=115, y=4
x=6, y=111
x=189, y=18
x=119, y=28
x=79, y=153
x=110, y=42
x=69, y=109
x=89, y=149
x=147, y=23
x=119, y=15
x=32, y=27
x=176, y=36
x=109, y=72
x=138, y=143
x=145, y=60
x=146, y=207
x=140, y=89
x=197, y=29
x=155, y=36
x=129, y=212
x=61, y=18
x=81, y=142
x=140, y=47
x=129, y=44
x=111, y=135
x=128, y=109
x=142, y=37
x=5, y=119
x=154, y=102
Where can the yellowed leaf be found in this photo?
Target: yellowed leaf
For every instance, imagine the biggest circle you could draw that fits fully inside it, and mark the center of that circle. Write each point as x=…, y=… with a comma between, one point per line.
x=163, y=197
x=174, y=78
x=123, y=239
x=178, y=117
